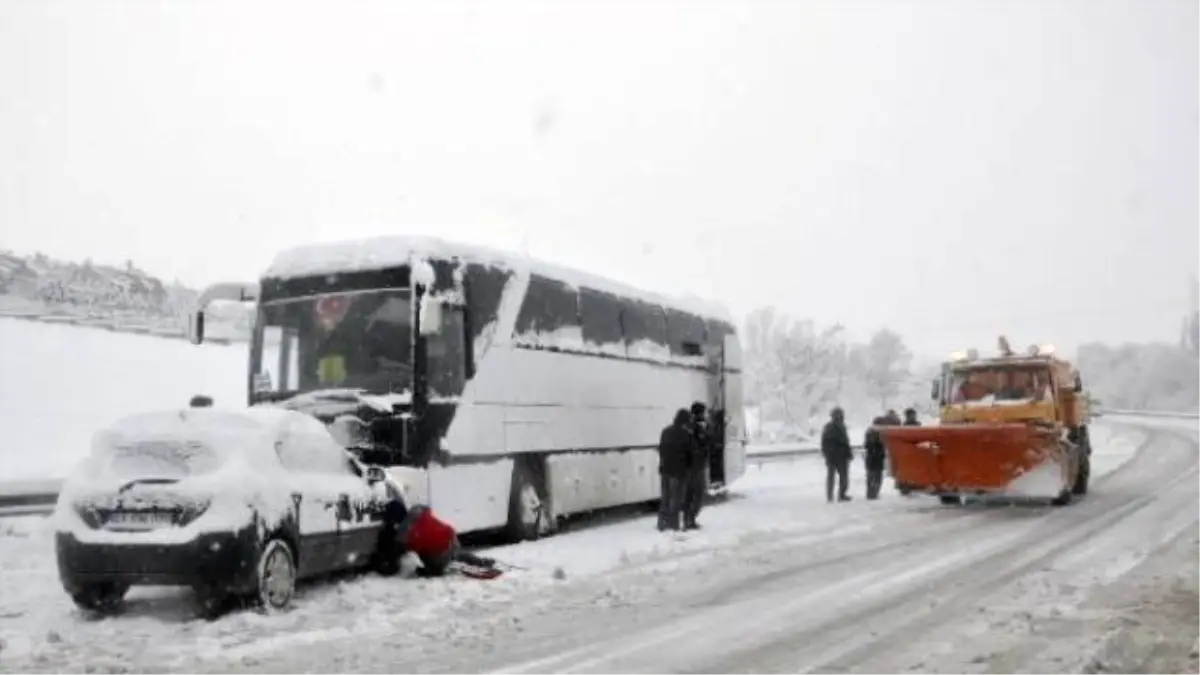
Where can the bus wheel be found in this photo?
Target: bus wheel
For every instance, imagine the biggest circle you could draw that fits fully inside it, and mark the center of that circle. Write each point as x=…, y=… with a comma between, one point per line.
x=526, y=506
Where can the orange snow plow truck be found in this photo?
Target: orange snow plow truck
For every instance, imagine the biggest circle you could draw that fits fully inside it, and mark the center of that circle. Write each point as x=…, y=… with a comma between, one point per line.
x=1014, y=425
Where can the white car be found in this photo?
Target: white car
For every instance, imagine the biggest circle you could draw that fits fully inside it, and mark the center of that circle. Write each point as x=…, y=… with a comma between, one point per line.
x=242, y=503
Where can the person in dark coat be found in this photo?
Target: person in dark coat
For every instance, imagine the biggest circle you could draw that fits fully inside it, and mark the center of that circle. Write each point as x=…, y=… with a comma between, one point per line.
x=873, y=457
x=910, y=418
x=674, y=449
x=696, y=484
x=835, y=446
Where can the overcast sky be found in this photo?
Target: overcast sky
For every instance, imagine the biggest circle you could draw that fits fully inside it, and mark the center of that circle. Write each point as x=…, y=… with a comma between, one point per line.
x=951, y=169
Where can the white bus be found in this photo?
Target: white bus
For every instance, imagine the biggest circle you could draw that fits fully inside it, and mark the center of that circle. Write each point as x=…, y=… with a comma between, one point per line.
x=505, y=392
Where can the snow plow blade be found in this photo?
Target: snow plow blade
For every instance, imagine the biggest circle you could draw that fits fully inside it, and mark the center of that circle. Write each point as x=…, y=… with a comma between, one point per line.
x=972, y=458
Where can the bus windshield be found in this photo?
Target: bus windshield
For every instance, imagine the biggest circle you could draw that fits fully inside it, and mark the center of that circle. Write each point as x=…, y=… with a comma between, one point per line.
x=356, y=340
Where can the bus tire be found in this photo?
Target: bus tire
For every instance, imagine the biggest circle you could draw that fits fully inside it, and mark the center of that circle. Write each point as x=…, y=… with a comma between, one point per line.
x=527, y=508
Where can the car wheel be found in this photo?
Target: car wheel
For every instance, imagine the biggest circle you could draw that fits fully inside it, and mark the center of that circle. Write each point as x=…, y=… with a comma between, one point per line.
x=102, y=598
x=950, y=500
x=276, y=575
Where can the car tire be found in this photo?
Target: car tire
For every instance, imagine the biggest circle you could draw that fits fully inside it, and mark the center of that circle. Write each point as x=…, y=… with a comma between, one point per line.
x=276, y=578
x=101, y=598
x=950, y=500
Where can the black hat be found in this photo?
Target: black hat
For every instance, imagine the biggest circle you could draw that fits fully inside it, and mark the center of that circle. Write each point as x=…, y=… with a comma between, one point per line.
x=698, y=408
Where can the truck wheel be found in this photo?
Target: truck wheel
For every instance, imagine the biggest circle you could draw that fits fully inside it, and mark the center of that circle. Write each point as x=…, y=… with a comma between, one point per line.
x=1084, y=442
x=950, y=500
x=527, y=506
x=1081, y=480
x=1063, y=499
x=103, y=598
x=276, y=575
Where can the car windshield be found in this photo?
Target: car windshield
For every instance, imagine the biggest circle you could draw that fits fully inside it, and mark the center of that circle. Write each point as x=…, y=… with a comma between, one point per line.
x=999, y=385
x=358, y=340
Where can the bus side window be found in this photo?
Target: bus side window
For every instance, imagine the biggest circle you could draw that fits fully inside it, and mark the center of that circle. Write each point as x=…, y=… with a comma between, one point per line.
x=446, y=362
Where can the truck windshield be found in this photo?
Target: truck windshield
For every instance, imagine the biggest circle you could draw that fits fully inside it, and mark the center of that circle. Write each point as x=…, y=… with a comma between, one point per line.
x=987, y=386
x=358, y=340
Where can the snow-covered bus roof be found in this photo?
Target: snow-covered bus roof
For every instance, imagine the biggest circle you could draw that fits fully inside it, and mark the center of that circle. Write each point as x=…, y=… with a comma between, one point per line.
x=357, y=255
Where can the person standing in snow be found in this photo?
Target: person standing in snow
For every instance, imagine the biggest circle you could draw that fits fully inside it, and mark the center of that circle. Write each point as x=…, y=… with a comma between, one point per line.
x=873, y=457
x=910, y=418
x=674, y=449
x=835, y=446
x=696, y=485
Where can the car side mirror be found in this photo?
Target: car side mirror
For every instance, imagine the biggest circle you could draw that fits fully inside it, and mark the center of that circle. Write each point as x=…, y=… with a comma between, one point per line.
x=375, y=475
x=431, y=316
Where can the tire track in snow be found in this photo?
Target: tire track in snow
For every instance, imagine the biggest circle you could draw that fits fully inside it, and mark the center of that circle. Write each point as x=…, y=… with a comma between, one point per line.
x=891, y=621
x=839, y=638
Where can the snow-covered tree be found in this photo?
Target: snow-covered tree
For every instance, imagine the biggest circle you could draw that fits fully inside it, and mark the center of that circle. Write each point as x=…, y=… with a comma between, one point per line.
x=1141, y=376
x=887, y=362
x=792, y=367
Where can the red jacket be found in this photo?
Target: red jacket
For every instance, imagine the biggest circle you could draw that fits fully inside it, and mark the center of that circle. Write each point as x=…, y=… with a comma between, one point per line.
x=428, y=536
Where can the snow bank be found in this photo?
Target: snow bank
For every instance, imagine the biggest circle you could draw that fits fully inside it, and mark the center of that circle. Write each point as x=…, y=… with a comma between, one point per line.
x=62, y=383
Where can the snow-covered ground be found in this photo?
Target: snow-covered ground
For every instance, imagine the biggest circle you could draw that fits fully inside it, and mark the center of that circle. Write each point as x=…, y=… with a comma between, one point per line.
x=62, y=383
x=777, y=581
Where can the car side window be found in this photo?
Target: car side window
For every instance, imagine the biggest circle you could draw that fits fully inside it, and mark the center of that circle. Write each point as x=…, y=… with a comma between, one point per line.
x=304, y=448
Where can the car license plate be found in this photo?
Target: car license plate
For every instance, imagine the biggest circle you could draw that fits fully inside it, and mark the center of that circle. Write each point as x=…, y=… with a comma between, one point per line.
x=138, y=520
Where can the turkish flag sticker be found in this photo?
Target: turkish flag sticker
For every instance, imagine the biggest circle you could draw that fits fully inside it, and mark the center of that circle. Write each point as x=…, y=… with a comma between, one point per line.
x=331, y=309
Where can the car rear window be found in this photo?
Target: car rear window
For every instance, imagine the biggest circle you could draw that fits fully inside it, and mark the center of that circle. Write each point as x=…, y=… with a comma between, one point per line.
x=162, y=459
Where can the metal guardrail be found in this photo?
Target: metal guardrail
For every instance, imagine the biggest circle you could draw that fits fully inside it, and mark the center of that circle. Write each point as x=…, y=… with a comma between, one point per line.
x=29, y=498
x=1153, y=413
x=38, y=499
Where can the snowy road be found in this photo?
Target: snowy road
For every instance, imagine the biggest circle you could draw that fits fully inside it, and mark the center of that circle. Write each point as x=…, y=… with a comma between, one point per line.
x=778, y=581
x=936, y=590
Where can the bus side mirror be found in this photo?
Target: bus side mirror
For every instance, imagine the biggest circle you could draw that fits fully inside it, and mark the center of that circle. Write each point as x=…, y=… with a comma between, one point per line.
x=936, y=393
x=431, y=316
x=196, y=328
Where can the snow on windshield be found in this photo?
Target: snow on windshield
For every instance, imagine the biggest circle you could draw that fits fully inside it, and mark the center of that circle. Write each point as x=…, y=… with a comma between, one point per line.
x=181, y=443
x=165, y=458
